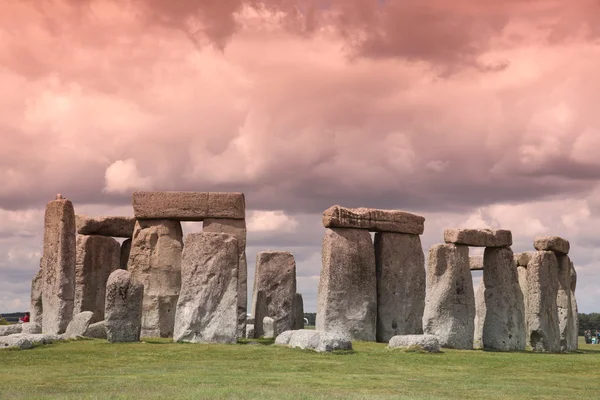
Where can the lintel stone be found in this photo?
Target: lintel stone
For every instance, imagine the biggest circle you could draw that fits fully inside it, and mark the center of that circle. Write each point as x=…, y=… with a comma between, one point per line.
x=552, y=243
x=374, y=220
x=105, y=226
x=479, y=237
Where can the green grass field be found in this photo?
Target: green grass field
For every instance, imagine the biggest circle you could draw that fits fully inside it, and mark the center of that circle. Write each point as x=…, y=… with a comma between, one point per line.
x=160, y=369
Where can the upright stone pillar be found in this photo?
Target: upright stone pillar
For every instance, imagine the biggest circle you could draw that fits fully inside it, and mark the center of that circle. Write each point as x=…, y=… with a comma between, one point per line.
x=574, y=332
x=347, y=293
x=207, y=309
x=275, y=290
x=298, y=308
x=97, y=258
x=400, y=266
x=522, y=260
x=563, y=301
x=125, y=250
x=58, y=288
x=155, y=262
x=237, y=228
x=450, y=302
x=504, y=326
x=542, y=315
x=480, y=312
x=124, y=299
x=37, y=308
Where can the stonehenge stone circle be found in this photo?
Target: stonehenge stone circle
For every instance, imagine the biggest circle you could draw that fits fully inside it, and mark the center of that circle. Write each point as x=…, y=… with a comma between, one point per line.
x=428, y=343
x=373, y=220
x=479, y=237
x=551, y=243
x=125, y=250
x=188, y=206
x=97, y=258
x=78, y=325
x=58, y=266
x=36, y=305
x=542, y=314
x=237, y=228
x=480, y=311
x=207, y=310
x=105, y=226
x=400, y=272
x=275, y=290
x=347, y=291
x=155, y=262
x=476, y=263
x=504, y=325
x=124, y=303
x=450, y=302
x=298, y=311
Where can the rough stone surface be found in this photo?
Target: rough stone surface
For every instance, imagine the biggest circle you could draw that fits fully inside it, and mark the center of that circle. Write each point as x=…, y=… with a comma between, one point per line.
x=479, y=237
x=373, y=220
x=31, y=328
x=552, y=243
x=319, y=341
x=298, y=308
x=124, y=305
x=275, y=290
x=79, y=324
x=269, y=328
x=428, y=343
x=189, y=206
x=27, y=341
x=400, y=269
x=6, y=330
x=476, y=263
x=563, y=302
x=125, y=250
x=237, y=228
x=524, y=258
x=250, y=331
x=207, y=306
x=155, y=262
x=542, y=314
x=36, y=306
x=97, y=258
x=58, y=266
x=479, y=315
x=284, y=337
x=504, y=326
x=105, y=226
x=450, y=302
x=96, y=331
x=347, y=292
x=522, y=275
x=574, y=332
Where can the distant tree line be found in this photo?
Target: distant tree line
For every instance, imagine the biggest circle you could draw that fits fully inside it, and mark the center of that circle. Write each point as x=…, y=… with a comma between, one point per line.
x=589, y=321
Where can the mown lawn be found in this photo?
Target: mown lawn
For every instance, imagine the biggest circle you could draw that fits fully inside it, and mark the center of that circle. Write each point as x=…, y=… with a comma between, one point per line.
x=159, y=369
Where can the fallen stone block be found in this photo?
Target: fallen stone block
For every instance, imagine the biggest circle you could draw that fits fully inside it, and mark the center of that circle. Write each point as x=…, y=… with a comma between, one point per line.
x=373, y=220
x=552, y=243
x=284, y=337
x=428, y=343
x=479, y=237
x=250, y=331
x=96, y=331
x=6, y=330
x=319, y=341
x=31, y=328
x=27, y=341
x=189, y=206
x=79, y=325
x=105, y=226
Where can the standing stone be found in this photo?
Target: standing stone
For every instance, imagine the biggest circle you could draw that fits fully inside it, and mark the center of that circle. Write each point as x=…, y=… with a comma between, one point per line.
x=97, y=258
x=125, y=250
x=155, y=262
x=563, y=301
x=347, y=294
x=522, y=276
x=479, y=315
x=275, y=290
x=124, y=303
x=269, y=329
x=58, y=266
x=237, y=228
x=542, y=315
x=450, y=302
x=504, y=326
x=574, y=333
x=298, y=308
x=400, y=266
x=207, y=306
x=79, y=324
x=37, y=307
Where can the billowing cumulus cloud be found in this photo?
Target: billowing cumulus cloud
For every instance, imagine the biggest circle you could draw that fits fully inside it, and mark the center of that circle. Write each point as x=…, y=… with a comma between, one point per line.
x=478, y=114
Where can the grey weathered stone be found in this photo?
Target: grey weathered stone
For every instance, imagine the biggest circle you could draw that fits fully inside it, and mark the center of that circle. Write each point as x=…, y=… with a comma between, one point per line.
x=450, y=302
x=31, y=328
x=504, y=326
x=207, y=306
x=524, y=258
x=269, y=328
x=522, y=275
x=79, y=324
x=479, y=237
x=124, y=304
x=476, y=263
x=275, y=290
x=188, y=206
x=97, y=258
x=319, y=341
x=400, y=270
x=347, y=292
x=125, y=250
x=96, y=330
x=58, y=266
x=237, y=228
x=542, y=313
x=552, y=243
x=6, y=330
x=298, y=312
x=479, y=316
x=573, y=335
x=284, y=337
x=373, y=220
x=250, y=331
x=155, y=262
x=37, y=307
x=105, y=226
x=563, y=302
x=428, y=343
x=27, y=341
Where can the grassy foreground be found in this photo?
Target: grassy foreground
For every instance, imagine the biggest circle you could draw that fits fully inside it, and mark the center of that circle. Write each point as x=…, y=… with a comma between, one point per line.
x=160, y=369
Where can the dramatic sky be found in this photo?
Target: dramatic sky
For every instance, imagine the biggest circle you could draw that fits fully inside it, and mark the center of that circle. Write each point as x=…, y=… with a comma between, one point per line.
x=470, y=113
